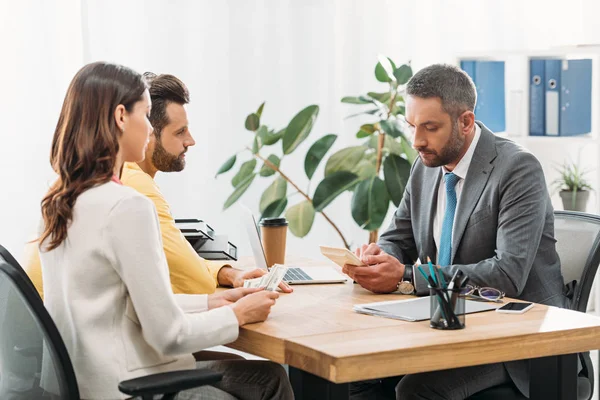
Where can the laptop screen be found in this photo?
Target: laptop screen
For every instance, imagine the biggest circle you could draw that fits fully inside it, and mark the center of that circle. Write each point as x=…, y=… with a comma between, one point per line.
x=254, y=238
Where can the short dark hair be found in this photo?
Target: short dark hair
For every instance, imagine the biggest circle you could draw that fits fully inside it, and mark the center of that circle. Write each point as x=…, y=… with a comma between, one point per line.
x=164, y=89
x=448, y=82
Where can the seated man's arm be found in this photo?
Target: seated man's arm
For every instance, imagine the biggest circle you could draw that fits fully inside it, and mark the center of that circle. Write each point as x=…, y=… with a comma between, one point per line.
x=398, y=239
x=521, y=219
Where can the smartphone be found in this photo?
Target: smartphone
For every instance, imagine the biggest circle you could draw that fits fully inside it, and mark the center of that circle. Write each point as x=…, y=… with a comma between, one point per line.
x=514, y=308
x=341, y=256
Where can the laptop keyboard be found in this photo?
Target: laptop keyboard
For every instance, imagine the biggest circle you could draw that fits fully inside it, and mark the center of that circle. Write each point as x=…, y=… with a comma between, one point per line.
x=296, y=274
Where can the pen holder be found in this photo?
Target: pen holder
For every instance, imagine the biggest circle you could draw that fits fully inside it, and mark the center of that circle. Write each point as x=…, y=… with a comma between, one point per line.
x=447, y=309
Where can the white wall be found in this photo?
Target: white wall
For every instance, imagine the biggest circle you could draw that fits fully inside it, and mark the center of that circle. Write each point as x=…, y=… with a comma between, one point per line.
x=40, y=50
x=233, y=55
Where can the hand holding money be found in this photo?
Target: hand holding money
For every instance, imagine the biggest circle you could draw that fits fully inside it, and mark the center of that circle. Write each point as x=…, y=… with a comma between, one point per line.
x=269, y=281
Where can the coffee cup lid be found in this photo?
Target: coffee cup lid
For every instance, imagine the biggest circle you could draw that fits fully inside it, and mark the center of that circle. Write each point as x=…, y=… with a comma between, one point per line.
x=273, y=222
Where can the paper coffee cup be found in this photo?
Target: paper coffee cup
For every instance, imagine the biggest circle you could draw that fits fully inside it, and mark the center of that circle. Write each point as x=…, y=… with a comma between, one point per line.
x=274, y=232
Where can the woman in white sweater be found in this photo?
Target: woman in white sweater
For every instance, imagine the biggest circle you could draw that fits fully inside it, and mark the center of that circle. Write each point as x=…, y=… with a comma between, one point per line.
x=104, y=270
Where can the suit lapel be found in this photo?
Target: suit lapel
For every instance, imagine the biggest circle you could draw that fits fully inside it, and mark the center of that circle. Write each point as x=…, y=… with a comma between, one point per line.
x=477, y=177
x=430, y=207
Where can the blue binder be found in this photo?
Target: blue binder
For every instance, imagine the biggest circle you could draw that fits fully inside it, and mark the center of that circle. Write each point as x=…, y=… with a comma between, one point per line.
x=537, y=103
x=488, y=77
x=469, y=68
x=552, y=99
x=576, y=97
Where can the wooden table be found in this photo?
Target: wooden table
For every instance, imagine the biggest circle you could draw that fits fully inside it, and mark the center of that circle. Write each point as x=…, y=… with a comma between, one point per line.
x=327, y=345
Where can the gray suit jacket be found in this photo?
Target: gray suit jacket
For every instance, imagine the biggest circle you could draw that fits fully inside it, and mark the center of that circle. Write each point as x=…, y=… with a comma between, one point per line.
x=503, y=231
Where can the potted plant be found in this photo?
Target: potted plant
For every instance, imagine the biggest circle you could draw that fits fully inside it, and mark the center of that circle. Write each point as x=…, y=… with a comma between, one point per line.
x=375, y=170
x=574, y=188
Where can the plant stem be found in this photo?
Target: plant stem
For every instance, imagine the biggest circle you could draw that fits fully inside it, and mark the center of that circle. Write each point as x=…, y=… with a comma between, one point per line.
x=380, y=143
x=392, y=103
x=373, y=236
x=284, y=176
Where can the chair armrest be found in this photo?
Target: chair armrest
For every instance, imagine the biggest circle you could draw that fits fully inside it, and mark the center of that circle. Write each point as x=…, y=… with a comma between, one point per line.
x=169, y=382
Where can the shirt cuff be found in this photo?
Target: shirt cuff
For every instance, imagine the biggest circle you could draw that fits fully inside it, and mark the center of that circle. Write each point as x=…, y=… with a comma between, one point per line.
x=215, y=267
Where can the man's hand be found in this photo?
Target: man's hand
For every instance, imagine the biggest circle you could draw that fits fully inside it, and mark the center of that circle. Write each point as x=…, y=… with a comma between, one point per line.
x=235, y=277
x=382, y=273
x=368, y=250
x=228, y=297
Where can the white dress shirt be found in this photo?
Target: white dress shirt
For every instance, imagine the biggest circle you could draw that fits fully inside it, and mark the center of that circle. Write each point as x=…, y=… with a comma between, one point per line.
x=460, y=170
x=107, y=289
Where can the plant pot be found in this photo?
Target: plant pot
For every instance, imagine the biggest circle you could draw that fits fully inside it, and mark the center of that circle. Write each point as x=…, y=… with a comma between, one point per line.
x=578, y=203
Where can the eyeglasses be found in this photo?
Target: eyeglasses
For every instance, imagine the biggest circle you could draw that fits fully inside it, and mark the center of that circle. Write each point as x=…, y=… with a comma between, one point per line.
x=482, y=293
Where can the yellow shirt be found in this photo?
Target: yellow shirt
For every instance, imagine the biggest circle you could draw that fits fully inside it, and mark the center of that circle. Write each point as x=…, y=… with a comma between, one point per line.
x=190, y=273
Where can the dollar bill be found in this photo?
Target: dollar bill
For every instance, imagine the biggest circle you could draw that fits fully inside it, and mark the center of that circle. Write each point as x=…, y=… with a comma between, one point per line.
x=268, y=281
x=252, y=283
x=276, y=276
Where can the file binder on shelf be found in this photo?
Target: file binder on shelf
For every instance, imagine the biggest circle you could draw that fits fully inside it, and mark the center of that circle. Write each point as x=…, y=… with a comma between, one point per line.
x=488, y=77
x=552, y=88
x=562, y=104
x=537, y=98
x=576, y=97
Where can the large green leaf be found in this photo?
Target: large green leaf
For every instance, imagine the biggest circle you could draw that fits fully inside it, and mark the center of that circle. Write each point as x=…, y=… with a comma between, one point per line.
x=396, y=171
x=344, y=159
x=384, y=70
x=260, y=110
x=227, y=165
x=366, y=168
x=265, y=170
x=363, y=134
x=245, y=170
x=391, y=127
x=365, y=130
x=252, y=122
x=275, y=192
x=301, y=218
x=355, y=100
x=275, y=209
x=316, y=153
x=390, y=145
x=268, y=137
x=299, y=128
x=332, y=186
x=381, y=97
x=370, y=203
x=403, y=74
x=239, y=191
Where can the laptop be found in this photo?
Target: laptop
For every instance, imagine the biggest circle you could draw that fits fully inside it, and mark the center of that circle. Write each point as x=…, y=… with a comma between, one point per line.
x=294, y=275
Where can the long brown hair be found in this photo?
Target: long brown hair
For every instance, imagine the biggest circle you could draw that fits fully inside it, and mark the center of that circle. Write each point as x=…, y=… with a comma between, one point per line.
x=85, y=144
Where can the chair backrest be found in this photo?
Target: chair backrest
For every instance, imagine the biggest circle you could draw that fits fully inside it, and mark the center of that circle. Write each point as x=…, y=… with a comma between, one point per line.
x=578, y=245
x=34, y=362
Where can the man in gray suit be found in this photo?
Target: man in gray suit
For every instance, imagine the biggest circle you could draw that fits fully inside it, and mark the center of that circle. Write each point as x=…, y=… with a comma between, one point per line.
x=475, y=202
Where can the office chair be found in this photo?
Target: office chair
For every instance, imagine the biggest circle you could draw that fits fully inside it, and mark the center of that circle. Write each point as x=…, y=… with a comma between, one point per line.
x=578, y=246
x=29, y=339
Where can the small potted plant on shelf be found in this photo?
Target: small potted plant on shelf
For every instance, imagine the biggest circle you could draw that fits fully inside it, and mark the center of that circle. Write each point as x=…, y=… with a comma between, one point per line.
x=574, y=188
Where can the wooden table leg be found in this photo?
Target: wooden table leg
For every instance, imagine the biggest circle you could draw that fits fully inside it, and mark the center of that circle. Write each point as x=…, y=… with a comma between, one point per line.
x=553, y=378
x=307, y=386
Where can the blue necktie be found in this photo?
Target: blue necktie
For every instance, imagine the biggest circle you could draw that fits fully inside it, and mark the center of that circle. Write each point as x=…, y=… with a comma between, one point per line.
x=445, y=252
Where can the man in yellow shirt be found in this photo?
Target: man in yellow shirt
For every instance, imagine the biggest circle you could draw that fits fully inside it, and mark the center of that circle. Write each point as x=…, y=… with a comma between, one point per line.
x=190, y=273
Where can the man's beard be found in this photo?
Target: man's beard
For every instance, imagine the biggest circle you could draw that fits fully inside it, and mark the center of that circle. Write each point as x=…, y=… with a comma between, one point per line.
x=165, y=161
x=449, y=153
